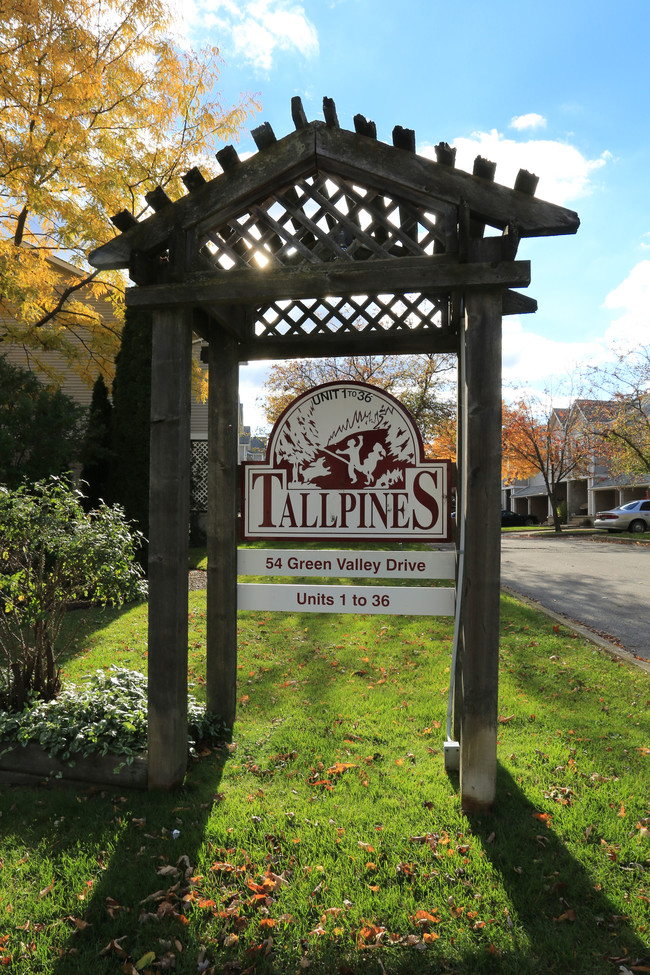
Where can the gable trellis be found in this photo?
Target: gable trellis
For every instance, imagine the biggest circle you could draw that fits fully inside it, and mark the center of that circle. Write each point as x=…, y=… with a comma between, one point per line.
x=325, y=242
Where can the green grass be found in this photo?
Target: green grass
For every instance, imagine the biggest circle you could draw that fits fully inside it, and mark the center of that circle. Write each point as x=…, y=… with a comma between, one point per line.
x=327, y=836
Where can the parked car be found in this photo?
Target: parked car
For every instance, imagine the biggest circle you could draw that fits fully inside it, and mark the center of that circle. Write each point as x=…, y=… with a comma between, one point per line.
x=631, y=517
x=510, y=519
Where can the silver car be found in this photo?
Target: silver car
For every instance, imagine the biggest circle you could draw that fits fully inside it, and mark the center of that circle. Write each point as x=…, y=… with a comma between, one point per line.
x=631, y=517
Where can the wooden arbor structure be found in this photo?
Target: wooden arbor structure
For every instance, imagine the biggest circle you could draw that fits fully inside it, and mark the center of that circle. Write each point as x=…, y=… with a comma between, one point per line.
x=326, y=242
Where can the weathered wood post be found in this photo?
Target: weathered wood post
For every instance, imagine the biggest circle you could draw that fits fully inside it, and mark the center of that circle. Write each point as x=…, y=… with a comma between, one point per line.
x=169, y=513
x=223, y=441
x=481, y=444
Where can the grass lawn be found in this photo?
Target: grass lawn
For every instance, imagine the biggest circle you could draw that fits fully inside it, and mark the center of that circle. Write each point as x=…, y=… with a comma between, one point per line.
x=327, y=837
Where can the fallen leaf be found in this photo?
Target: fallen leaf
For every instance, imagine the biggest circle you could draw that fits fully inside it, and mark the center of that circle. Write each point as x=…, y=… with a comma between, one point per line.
x=145, y=960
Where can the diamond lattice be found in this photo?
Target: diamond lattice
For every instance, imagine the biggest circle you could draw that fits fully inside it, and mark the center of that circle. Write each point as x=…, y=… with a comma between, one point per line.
x=354, y=314
x=323, y=218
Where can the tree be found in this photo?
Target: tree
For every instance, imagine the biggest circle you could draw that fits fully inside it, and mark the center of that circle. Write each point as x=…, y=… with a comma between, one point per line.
x=53, y=554
x=39, y=427
x=556, y=443
x=96, y=452
x=98, y=104
x=627, y=432
x=421, y=382
x=129, y=476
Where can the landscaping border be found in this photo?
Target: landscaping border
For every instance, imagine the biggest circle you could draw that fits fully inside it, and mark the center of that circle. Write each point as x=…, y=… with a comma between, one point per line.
x=31, y=765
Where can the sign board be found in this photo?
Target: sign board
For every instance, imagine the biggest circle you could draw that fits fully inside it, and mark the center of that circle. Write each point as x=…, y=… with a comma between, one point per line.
x=387, y=600
x=345, y=462
x=351, y=565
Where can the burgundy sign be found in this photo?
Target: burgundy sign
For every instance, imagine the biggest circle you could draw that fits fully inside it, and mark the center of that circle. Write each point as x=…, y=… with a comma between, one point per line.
x=345, y=462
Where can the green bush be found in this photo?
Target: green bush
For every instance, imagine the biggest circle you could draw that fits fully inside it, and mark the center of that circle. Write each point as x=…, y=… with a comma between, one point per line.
x=105, y=715
x=53, y=555
x=39, y=427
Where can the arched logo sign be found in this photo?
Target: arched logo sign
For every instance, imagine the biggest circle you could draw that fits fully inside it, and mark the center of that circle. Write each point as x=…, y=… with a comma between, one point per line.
x=345, y=462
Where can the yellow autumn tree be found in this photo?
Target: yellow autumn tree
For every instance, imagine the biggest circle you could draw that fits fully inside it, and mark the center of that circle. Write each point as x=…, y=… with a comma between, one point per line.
x=99, y=103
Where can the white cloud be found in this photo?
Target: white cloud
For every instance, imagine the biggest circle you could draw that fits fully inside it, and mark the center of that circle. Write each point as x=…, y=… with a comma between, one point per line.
x=254, y=30
x=530, y=121
x=632, y=328
x=534, y=360
x=565, y=174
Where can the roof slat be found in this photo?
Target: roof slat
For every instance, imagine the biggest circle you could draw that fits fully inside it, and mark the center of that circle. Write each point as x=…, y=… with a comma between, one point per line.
x=124, y=220
x=526, y=182
x=404, y=138
x=298, y=113
x=263, y=136
x=484, y=168
x=329, y=111
x=363, y=126
x=445, y=154
x=157, y=199
x=194, y=178
x=228, y=158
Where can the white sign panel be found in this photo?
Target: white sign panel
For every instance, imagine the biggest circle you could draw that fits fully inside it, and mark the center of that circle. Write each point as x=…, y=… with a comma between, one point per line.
x=345, y=461
x=388, y=600
x=343, y=564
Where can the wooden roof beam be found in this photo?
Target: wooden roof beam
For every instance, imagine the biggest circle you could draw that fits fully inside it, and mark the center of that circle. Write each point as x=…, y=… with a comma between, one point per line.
x=421, y=181
x=241, y=184
x=254, y=287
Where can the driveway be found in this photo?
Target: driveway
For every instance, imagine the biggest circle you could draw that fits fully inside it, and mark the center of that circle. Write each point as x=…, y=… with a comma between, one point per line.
x=599, y=583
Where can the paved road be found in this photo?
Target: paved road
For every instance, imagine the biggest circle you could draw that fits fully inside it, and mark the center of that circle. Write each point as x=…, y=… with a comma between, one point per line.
x=605, y=585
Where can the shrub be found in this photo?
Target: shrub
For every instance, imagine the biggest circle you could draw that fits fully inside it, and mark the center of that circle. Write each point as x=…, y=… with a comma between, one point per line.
x=105, y=715
x=53, y=555
x=39, y=427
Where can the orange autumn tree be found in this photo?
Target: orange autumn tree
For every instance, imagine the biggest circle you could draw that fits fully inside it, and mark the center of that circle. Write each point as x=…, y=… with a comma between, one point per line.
x=421, y=382
x=99, y=104
x=556, y=443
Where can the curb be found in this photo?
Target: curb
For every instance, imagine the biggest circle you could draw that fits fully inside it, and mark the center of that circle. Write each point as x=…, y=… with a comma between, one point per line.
x=613, y=649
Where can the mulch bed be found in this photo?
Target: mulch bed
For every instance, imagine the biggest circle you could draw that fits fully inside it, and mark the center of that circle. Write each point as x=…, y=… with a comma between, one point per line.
x=198, y=579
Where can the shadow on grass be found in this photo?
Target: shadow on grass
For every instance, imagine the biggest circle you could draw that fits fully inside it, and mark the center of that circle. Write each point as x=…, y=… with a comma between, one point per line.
x=570, y=924
x=148, y=845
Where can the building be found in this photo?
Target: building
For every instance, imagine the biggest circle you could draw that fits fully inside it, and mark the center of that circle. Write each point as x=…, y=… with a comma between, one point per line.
x=591, y=486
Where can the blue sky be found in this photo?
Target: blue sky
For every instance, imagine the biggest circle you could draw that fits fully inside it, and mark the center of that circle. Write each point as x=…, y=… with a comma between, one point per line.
x=560, y=89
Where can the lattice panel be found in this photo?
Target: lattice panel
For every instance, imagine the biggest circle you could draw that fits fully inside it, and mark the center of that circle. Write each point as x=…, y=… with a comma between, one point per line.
x=355, y=314
x=324, y=218
x=199, y=476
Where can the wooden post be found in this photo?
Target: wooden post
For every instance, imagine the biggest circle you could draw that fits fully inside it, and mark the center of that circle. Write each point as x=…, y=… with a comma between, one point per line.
x=223, y=496
x=461, y=410
x=481, y=442
x=169, y=504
